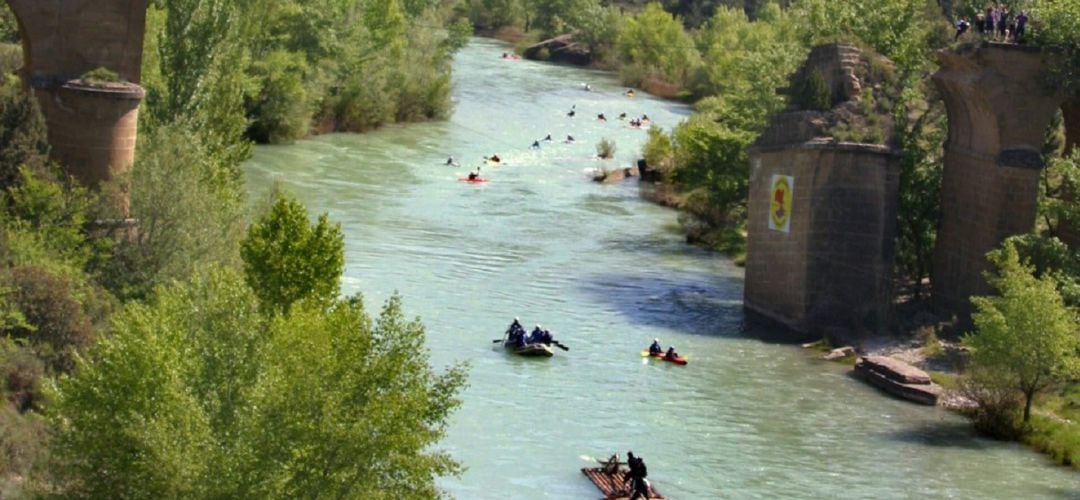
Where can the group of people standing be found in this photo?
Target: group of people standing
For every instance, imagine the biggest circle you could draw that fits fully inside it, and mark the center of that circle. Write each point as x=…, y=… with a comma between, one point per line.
x=517, y=337
x=998, y=24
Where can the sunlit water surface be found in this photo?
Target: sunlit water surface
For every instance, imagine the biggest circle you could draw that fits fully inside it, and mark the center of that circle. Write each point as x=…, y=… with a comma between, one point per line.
x=607, y=272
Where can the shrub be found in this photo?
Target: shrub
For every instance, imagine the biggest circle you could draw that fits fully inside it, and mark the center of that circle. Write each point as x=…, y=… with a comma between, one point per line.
x=20, y=376
x=815, y=94
x=23, y=136
x=100, y=76
x=57, y=323
x=605, y=149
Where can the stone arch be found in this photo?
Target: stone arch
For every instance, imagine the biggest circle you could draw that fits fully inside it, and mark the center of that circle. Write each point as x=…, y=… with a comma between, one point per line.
x=92, y=127
x=998, y=108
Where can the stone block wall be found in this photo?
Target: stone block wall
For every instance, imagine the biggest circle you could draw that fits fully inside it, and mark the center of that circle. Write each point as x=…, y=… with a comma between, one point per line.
x=832, y=271
x=998, y=110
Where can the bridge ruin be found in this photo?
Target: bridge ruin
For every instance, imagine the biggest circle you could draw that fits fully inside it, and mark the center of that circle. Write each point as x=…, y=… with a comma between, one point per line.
x=92, y=127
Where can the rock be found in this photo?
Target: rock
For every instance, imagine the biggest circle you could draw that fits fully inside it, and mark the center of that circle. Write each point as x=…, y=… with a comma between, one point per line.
x=887, y=374
x=897, y=370
x=840, y=353
x=561, y=49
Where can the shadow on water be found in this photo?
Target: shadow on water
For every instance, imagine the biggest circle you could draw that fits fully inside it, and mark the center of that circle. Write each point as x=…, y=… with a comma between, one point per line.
x=942, y=435
x=681, y=301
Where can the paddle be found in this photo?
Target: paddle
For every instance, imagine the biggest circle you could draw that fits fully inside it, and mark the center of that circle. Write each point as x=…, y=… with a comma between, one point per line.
x=559, y=345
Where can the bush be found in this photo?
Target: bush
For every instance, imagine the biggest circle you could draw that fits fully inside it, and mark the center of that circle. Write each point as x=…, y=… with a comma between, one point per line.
x=57, y=323
x=20, y=376
x=998, y=413
x=605, y=149
x=815, y=94
x=100, y=76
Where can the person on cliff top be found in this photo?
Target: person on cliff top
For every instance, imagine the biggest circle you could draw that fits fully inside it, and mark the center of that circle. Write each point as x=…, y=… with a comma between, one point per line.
x=655, y=349
x=961, y=27
x=1021, y=23
x=671, y=354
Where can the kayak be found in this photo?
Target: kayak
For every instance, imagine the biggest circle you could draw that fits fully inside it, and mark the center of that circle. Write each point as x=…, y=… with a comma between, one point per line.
x=479, y=180
x=535, y=349
x=679, y=360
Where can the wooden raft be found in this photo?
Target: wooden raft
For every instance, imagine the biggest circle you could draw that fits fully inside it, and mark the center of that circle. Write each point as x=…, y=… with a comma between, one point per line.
x=611, y=483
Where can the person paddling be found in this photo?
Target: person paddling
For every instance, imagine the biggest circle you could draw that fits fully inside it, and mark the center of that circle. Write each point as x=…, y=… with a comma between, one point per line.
x=548, y=138
x=569, y=139
x=451, y=162
x=535, y=145
x=601, y=117
x=655, y=349
x=671, y=354
x=474, y=175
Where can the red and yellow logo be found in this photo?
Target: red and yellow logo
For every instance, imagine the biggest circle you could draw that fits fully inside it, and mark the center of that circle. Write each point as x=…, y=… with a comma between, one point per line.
x=780, y=203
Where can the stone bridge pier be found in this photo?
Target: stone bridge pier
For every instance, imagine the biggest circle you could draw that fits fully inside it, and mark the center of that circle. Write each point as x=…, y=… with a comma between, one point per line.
x=92, y=128
x=999, y=109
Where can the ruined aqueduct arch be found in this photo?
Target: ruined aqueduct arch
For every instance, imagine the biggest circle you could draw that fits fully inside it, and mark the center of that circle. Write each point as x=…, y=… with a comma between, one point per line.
x=92, y=129
x=999, y=108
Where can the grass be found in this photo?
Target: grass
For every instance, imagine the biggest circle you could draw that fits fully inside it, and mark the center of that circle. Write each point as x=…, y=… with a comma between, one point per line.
x=1058, y=438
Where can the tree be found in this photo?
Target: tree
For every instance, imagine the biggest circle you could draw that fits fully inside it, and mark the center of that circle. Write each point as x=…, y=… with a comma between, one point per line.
x=197, y=394
x=1026, y=334
x=287, y=259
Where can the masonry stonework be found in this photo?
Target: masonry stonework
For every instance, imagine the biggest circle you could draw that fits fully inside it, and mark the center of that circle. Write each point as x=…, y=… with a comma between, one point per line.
x=999, y=109
x=830, y=273
x=92, y=129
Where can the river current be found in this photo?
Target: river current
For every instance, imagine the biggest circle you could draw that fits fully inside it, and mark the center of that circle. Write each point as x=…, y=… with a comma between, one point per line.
x=607, y=273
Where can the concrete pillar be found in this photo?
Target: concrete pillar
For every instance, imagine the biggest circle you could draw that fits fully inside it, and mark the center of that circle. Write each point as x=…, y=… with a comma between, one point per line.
x=92, y=129
x=998, y=113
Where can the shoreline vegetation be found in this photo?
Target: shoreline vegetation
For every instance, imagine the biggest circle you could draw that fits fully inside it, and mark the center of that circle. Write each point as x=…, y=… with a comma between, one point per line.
x=120, y=347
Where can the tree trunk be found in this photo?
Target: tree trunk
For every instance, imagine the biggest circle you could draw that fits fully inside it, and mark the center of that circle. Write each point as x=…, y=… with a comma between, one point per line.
x=1028, y=396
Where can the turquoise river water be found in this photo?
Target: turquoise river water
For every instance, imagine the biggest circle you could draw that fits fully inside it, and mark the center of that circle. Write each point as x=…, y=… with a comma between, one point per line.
x=607, y=273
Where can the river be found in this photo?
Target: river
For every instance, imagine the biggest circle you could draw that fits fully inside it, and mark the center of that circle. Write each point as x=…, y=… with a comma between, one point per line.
x=607, y=273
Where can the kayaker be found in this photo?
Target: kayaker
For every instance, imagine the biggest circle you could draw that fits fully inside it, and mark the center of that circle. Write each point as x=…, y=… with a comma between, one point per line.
x=569, y=139
x=450, y=161
x=630, y=93
x=601, y=117
x=535, y=145
x=655, y=349
x=644, y=118
x=548, y=138
x=571, y=113
x=474, y=175
x=495, y=158
x=622, y=116
x=671, y=354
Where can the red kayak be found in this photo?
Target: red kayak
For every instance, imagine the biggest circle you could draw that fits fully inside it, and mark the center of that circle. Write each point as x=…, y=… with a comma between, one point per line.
x=478, y=180
x=679, y=360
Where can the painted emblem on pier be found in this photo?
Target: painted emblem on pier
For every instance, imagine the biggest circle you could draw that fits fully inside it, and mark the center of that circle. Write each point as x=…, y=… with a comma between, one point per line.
x=780, y=203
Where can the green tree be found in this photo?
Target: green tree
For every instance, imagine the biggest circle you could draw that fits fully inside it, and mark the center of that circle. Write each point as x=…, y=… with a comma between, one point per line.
x=654, y=44
x=23, y=137
x=287, y=259
x=188, y=217
x=196, y=394
x=1025, y=334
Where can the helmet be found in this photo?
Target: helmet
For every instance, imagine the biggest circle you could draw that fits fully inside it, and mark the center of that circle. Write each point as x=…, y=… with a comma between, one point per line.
x=538, y=326
x=656, y=340
x=516, y=318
